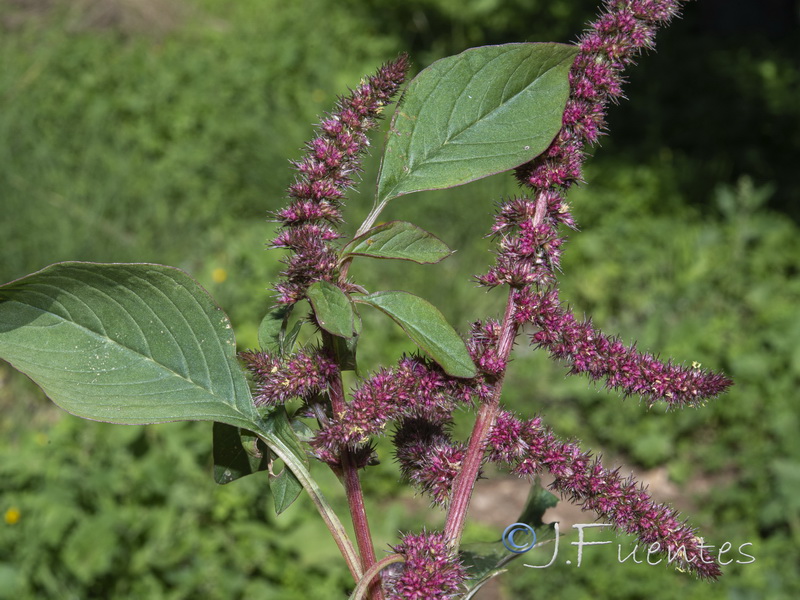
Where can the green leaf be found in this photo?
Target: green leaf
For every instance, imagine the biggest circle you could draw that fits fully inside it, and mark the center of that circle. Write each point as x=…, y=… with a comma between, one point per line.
x=272, y=330
x=539, y=500
x=486, y=560
x=129, y=344
x=427, y=327
x=289, y=339
x=401, y=240
x=332, y=307
x=237, y=453
x=478, y=113
x=285, y=490
x=277, y=429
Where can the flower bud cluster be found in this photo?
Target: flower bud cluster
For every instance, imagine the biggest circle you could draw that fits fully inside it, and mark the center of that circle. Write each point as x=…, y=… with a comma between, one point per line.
x=428, y=458
x=529, y=246
x=530, y=449
x=612, y=42
x=325, y=173
x=302, y=375
x=431, y=570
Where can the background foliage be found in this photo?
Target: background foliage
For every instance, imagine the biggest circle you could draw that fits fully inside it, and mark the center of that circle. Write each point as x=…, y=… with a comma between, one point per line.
x=147, y=130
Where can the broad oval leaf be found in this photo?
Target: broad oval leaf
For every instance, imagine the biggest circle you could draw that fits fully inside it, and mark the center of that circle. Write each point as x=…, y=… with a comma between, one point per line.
x=125, y=343
x=332, y=308
x=427, y=327
x=472, y=115
x=400, y=240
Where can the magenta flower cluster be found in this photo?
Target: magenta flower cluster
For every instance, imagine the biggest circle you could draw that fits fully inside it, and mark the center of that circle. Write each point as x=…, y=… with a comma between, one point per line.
x=325, y=174
x=428, y=457
x=416, y=389
x=530, y=449
x=431, y=570
x=300, y=376
x=529, y=247
x=589, y=351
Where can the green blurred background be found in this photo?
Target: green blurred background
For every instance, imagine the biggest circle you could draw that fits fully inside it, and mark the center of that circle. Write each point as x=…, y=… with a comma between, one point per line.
x=160, y=130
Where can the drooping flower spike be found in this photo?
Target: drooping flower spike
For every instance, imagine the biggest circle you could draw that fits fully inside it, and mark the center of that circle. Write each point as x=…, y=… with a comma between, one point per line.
x=531, y=449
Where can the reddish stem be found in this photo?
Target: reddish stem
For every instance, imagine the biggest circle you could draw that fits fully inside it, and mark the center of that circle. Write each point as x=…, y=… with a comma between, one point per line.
x=465, y=480
x=470, y=467
x=352, y=486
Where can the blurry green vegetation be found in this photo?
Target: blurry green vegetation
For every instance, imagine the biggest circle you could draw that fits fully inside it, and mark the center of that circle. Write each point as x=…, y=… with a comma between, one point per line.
x=170, y=144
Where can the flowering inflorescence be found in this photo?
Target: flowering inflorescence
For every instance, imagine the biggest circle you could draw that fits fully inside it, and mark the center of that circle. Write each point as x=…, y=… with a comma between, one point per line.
x=417, y=395
x=530, y=448
x=588, y=350
x=431, y=570
x=529, y=246
x=416, y=389
x=299, y=376
x=428, y=458
x=325, y=174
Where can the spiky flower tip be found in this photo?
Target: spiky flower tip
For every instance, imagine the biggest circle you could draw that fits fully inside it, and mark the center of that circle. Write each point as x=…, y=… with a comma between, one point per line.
x=612, y=42
x=530, y=448
x=428, y=457
x=430, y=572
x=301, y=375
x=623, y=368
x=324, y=175
x=529, y=247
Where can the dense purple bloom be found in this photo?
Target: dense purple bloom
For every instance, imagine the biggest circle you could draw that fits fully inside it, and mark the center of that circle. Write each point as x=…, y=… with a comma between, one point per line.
x=623, y=368
x=324, y=175
x=530, y=449
x=301, y=375
x=428, y=457
x=416, y=388
x=431, y=570
x=528, y=257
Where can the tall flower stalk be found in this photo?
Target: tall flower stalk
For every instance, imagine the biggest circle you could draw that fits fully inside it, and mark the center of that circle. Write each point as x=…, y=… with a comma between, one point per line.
x=528, y=256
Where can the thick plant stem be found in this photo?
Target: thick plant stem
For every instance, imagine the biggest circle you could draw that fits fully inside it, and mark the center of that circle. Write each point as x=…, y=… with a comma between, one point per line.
x=470, y=467
x=328, y=515
x=352, y=485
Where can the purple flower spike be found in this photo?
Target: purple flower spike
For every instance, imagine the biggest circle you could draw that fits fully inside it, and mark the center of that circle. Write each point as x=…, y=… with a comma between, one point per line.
x=431, y=571
x=416, y=388
x=589, y=351
x=531, y=448
x=325, y=174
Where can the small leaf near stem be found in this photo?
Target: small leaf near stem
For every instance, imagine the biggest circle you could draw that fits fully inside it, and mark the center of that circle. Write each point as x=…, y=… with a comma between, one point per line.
x=427, y=327
x=332, y=308
x=293, y=462
x=399, y=240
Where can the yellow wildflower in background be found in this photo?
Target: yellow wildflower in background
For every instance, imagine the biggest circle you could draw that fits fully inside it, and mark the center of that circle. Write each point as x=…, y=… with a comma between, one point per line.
x=13, y=516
